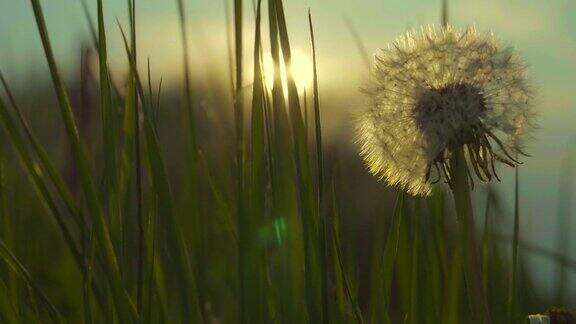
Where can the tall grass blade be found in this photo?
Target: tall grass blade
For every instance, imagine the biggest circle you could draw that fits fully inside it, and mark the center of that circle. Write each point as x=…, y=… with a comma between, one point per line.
x=89, y=20
x=320, y=170
x=416, y=299
x=9, y=295
x=40, y=185
x=87, y=278
x=133, y=133
x=45, y=162
x=345, y=294
x=221, y=199
x=384, y=257
x=254, y=306
x=196, y=247
x=8, y=313
x=16, y=266
x=176, y=240
x=124, y=305
x=453, y=287
x=109, y=136
x=306, y=190
x=238, y=97
x=292, y=304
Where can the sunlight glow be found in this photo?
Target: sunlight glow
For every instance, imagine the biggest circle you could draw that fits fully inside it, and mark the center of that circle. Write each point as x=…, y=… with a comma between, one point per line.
x=302, y=70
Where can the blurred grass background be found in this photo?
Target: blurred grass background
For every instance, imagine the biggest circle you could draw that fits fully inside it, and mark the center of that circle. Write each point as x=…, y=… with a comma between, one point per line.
x=226, y=228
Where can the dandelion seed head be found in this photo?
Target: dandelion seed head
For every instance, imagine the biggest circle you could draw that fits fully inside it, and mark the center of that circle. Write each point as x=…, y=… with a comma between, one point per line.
x=437, y=89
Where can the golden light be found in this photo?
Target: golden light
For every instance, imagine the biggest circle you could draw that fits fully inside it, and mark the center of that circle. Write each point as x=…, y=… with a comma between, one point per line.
x=302, y=71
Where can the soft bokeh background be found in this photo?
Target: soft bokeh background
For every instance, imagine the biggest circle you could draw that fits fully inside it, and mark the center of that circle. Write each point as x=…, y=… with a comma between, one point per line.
x=544, y=32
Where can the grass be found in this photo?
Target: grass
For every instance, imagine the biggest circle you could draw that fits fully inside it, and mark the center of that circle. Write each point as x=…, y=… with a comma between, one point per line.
x=269, y=244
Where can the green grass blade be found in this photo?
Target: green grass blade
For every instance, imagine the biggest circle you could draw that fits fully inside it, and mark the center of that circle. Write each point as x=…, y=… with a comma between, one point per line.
x=125, y=307
x=161, y=185
x=87, y=278
x=320, y=171
x=8, y=314
x=105, y=101
x=35, y=175
x=221, y=199
x=453, y=298
x=130, y=125
x=35, y=172
x=9, y=295
x=230, y=51
x=305, y=183
x=88, y=18
x=238, y=98
x=109, y=138
x=416, y=299
x=384, y=258
x=135, y=114
x=45, y=162
x=253, y=286
x=193, y=214
x=15, y=265
x=344, y=289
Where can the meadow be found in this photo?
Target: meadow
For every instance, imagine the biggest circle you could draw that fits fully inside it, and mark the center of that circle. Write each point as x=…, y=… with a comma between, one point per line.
x=123, y=201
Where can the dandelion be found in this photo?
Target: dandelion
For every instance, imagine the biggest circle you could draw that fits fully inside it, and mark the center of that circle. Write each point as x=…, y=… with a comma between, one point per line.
x=439, y=90
x=447, y=104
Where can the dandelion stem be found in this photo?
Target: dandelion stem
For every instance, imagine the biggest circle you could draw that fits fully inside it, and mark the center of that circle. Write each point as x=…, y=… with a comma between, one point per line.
x=514, y=280
x=472, y=262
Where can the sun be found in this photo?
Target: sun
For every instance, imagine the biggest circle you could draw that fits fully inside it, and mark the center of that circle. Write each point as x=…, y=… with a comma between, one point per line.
x=302, y=71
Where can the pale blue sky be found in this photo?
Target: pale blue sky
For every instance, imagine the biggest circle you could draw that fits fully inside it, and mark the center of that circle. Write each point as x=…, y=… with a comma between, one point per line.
x=544, y=32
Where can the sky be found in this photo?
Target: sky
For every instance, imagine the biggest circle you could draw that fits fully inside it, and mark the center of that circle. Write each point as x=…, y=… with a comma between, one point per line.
x=543, y=32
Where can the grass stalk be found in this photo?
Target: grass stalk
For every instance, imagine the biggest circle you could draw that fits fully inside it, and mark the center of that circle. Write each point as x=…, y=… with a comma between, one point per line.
x=306, y=191
x=238, y=97
x=125, y=308
x=416, y=298
x=87, y=278
x=323, y=217
x=108, y=133
x=45, y=162
x=472, y=262
x=39, y=183
x=18, y=268
x=384, y=258
x=161, y=185
x=345, y=293
x=254, y=302
x=196, y=234
x=135, y=112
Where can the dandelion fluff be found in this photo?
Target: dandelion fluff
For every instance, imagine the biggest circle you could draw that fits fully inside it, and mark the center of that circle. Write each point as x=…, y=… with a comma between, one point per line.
x=437, y=90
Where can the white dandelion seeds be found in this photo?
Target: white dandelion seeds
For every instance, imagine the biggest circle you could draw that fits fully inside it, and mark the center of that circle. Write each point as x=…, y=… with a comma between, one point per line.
x=440, y=89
